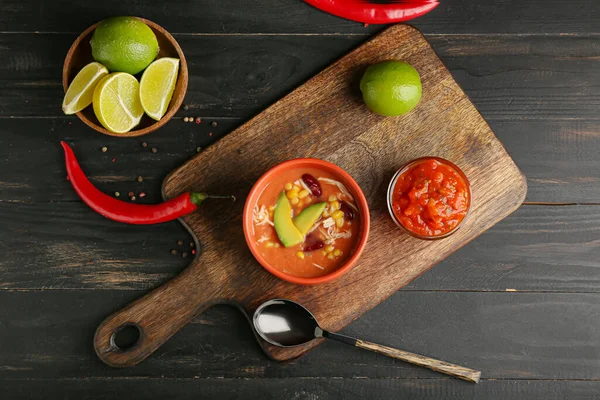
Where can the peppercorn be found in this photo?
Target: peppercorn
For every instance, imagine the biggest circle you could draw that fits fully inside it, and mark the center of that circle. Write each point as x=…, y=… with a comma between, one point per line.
x=142, y=194
x=144, y=144
x=130, y=194
x=184, y=254
x=174, y=252
x=192, y=244
x=213, y=124
x=140, y=179
x=193, y=251
x=132, y=198
x=180, y=242
x=154, y=149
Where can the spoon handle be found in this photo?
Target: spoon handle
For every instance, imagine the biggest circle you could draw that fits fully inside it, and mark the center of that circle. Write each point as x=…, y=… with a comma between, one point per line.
x=457, y=371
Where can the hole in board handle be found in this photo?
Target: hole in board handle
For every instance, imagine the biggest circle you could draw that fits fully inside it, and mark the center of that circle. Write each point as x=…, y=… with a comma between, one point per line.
x=126, y=337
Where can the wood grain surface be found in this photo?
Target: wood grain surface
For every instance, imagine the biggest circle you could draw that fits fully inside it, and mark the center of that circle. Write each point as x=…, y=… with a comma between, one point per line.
x=325, y=118
x=530, y=67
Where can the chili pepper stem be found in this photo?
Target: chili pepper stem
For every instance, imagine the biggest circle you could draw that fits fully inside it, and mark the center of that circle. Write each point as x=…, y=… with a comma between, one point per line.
x=198, y=197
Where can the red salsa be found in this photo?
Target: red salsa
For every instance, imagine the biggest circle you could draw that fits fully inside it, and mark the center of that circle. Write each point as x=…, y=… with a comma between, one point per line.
x=430, y=197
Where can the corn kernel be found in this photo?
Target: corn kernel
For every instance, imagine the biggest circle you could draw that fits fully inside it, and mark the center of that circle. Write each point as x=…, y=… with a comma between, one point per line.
x=294, y=201
x=323, y=253
x=329, y=248
x=300, y=255
x=269, y=245
x=339, y=222
x=325, y=213
x=276, y=245
x=291, y=194
x=296, y=188
x=330, y=256
x=334, y=205
x=271, y=208
x=307, y=200
x=337, y=252
x=303, y=194
x=288, y=186
x=337, y=214
x=332, y=197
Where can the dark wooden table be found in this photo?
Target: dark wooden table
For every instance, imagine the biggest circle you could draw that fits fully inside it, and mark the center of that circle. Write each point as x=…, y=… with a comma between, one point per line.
x=521, y=303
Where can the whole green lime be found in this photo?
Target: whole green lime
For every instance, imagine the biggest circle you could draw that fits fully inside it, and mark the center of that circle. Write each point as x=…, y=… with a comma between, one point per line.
x=124, y=44
x=391, y=88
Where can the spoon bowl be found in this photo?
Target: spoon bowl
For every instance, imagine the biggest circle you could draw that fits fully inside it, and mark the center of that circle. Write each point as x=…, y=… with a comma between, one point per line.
x=285, y=323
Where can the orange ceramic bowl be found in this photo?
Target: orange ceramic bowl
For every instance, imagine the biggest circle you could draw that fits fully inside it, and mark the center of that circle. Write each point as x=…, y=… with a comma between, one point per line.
x=343, y=177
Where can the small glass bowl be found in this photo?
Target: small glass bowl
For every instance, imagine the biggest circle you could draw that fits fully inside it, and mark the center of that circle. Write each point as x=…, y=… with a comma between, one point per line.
x=404, y=168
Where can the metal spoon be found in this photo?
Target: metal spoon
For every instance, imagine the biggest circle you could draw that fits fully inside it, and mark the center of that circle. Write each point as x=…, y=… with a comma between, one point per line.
x=286, y=323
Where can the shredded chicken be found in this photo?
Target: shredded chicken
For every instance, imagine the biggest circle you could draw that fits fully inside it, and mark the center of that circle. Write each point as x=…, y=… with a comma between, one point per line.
x=318, y=266
x=340, y=186
x=260, y=216
x=328, y=223
x=331, y=234
x=263, y=238
x=300, y=182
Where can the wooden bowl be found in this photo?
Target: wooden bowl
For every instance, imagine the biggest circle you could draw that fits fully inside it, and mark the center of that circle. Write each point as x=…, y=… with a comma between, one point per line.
x=80, y=54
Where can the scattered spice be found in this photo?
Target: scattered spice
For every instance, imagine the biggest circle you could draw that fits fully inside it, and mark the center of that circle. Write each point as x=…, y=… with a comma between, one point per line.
x=198, y=120
x=140, y=179
x=366, y=25
x=104, y=149
x=198, y=149
x=117, y=194
x=113, y=160
x=70, y=122
x=210, y=134
x=192, y=244
x=186, y=107
x=184, y=254
x=174, y=252
x=132, y=198
x=213, y=124
x=154, y=149
x=180, y=242
x=142, y=195
x=144, y=144
x=240, y=151
x=130, y=194
x=193, y=251
x=185, y=119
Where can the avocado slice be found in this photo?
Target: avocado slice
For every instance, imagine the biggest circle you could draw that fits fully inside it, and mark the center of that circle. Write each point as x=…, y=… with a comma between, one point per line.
x=288, y=234
x=307, y=218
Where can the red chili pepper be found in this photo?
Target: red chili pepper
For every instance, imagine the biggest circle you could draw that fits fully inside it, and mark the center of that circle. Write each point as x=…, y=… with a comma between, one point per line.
x=375, y=13
x=122, y=211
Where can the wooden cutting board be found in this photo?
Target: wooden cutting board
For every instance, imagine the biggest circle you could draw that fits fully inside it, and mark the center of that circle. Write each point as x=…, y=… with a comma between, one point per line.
x=325, y=118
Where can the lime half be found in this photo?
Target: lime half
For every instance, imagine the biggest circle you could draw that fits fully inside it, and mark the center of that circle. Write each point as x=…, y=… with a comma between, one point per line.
x=117, y=102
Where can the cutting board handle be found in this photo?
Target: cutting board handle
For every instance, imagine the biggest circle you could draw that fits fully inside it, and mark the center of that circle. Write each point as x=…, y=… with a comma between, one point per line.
x=157, y=316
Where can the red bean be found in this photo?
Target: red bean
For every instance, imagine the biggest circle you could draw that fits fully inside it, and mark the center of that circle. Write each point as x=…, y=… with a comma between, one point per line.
x=314, y=246
x=348, y=211
x=313, y=184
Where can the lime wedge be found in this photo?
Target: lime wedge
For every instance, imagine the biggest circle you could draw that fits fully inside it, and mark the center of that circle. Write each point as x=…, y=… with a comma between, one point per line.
x=117, y=102
x=157, y=86
x=81, y=91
